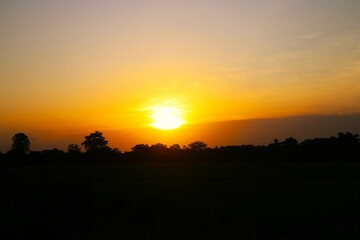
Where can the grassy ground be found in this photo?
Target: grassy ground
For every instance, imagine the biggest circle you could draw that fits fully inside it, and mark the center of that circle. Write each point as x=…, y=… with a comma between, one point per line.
x=182, y=201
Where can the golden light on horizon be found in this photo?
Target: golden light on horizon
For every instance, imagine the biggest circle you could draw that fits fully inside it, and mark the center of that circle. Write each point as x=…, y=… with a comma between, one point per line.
x=166, y=117
x=147, y=68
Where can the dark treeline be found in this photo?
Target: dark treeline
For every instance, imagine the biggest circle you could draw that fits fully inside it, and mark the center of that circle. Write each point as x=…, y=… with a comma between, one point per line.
x=343, y=147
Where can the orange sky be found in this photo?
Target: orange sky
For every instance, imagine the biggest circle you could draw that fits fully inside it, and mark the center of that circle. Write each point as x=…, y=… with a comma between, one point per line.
x=71, y=67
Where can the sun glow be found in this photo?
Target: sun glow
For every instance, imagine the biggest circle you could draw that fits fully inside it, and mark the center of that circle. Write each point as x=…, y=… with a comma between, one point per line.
x=166, y=118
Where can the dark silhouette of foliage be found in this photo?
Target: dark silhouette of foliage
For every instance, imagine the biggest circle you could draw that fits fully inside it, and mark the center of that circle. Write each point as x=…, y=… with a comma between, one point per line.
x=20, y=144
x=348, y=138
x=158, y=147
x=73, y=149
x=175, y=147
x=197, y=146
x=140, y=148
x=139, y=152
x=290, y=142
x=116, y=151
x=95, y=142
x=54, y=155
x=344, y=147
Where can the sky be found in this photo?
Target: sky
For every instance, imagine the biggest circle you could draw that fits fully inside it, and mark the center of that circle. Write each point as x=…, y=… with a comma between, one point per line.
x=71, y=67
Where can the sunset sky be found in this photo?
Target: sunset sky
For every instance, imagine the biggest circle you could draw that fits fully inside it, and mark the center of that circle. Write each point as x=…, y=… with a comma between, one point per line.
x=70, y=67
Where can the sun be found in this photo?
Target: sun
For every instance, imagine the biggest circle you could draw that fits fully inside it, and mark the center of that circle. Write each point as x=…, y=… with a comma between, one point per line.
x=166, y=118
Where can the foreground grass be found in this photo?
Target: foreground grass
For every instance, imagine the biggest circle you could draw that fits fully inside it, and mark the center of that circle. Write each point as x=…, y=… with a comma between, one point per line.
x=182, y=201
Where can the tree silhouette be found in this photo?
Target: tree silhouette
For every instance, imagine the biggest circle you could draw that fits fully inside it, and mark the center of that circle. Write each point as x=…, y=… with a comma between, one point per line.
x=140, y=148
x=290, y=141
x=20, y=144
x=95, y=142
x=197, y=146
x=175, y=147
x=73, y=149
x=158, y=147
x=348, y=138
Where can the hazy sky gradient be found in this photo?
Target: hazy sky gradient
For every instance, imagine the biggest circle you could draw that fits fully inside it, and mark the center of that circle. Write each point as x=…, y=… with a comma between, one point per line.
x=75, y=66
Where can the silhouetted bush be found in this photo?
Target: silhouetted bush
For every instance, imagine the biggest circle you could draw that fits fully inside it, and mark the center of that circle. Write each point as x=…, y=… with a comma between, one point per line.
x=95, y=142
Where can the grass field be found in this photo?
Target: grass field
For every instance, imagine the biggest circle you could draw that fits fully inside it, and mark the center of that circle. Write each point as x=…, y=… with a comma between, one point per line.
x=181, y=201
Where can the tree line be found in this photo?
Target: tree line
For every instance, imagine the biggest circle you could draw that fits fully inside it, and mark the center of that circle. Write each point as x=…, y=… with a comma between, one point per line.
x=343, y=147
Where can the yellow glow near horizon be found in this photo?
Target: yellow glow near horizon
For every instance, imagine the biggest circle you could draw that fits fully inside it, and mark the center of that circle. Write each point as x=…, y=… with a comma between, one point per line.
x=118, y=66
x=166, y=118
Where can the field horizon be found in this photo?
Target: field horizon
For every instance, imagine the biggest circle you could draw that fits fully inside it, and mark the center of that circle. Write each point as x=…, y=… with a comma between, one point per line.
x=260, y=131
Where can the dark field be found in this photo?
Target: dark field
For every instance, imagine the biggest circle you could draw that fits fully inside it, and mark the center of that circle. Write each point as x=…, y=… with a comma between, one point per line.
x=181, y=201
